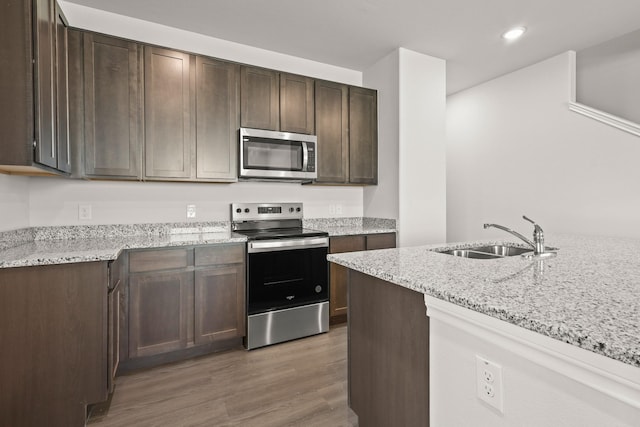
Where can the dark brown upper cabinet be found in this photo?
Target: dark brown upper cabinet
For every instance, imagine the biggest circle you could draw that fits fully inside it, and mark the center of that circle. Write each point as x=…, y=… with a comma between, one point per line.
x=296, y=104
x=347, y=129
x=63, y=147
x=363, y=136
x=276, y=101
x=169, y=122
x=112, y=107
x=218, y=117
x=332, y=129
x=46, y=78
x=259, y=98
x=194, y=106
x=33, y=85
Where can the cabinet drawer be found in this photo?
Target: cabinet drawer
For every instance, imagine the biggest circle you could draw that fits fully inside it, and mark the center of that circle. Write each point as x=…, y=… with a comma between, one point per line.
x=222, y=254
x=381, y=241
x=346, y=244
x=165, y=259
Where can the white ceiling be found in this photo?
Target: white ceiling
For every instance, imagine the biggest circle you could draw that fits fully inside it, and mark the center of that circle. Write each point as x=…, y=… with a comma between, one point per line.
x=356, y=33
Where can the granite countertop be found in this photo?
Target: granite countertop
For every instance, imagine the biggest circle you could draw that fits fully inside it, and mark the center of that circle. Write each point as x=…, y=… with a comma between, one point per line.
x=65, y=251
x=70, y=244
x=351, y=226
x=588, y=295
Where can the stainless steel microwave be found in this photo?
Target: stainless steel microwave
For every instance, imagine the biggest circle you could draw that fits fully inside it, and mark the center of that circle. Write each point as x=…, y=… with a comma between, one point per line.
x=271, y=155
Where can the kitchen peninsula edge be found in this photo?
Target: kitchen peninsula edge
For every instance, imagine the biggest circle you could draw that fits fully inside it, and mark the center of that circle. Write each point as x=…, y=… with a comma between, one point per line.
x=581, y=308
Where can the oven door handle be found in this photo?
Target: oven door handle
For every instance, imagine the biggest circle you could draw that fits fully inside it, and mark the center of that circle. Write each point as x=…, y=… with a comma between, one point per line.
x=287, y=244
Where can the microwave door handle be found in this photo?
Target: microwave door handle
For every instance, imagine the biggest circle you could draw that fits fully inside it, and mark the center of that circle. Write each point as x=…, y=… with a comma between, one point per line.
x=305, y=155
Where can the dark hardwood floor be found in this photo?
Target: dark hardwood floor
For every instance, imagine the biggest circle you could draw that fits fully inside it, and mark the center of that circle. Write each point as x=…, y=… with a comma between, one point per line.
x=299, y=383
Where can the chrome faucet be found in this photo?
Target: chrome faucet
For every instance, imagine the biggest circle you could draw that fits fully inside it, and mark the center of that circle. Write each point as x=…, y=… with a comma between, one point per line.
x=538, y=235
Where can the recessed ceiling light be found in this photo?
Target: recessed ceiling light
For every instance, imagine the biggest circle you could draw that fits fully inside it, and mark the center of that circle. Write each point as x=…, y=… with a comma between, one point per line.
x=514, y=33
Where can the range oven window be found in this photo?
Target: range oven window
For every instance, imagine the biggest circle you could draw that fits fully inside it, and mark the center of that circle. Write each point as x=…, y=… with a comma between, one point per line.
x=263, y=153
x=286, y=278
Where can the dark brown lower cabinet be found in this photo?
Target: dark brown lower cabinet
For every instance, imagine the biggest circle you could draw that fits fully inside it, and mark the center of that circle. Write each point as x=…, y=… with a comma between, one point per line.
x=53, y=343
x=219, y=291
x=158, y=312
x=388, y=356
x=184, y=302
x=115, y=304
x=381, y=241
x=338, y=274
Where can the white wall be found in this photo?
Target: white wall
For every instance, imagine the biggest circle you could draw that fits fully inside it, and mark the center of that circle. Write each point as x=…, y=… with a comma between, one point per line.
x=14, y=202
x=148, y=32
x=412, y=145
x=514, y=148
x=55, y=202
x=422, y=149
x=607, y=76
x=42, y=201
x=381, y=201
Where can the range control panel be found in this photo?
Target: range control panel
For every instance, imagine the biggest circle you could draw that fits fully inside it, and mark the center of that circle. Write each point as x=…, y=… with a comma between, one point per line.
x=265, y=211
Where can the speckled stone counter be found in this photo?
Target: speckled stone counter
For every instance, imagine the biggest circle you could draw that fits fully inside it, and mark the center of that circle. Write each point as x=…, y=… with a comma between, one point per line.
x=63, y=245
x=351, y=226
x=588, y=295
x=68, y=244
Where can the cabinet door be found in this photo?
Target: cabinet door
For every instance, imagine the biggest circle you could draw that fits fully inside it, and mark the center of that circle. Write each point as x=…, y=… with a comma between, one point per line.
x=113, y=334
x=338, y=277
x=63, y=149
x=53, y=339
x=169, y=122
x=112, y=115
x=45, y=82
x=363, y=136
x=259, y=98
x=217, y=116
x=296, y=104
x=158, y=312
x=381, y=241
x=332, y=128
x=219, y=303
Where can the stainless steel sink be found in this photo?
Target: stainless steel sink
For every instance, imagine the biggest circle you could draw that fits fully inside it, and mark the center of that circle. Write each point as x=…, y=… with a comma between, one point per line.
x=487, y=251
x=502, y=250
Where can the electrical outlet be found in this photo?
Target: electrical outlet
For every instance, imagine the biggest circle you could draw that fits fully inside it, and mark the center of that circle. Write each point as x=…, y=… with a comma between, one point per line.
x=332, y=209
x=84, y=212
x=338, y=209
x=191, y=211
x=489, y=383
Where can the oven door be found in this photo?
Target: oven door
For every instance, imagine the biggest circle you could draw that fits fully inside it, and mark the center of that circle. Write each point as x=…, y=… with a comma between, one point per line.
x=286, y=273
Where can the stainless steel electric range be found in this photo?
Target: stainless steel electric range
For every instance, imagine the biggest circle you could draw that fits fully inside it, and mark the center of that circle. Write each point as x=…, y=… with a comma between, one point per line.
x=287, y=277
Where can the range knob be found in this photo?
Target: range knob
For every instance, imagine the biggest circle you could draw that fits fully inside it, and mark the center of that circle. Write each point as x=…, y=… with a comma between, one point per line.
x=246, y=210
x=298, y=209
x=290, y=209
x=238, y=210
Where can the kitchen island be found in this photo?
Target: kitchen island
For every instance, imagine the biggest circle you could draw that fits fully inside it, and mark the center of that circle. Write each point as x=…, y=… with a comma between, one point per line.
x=565, y=330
